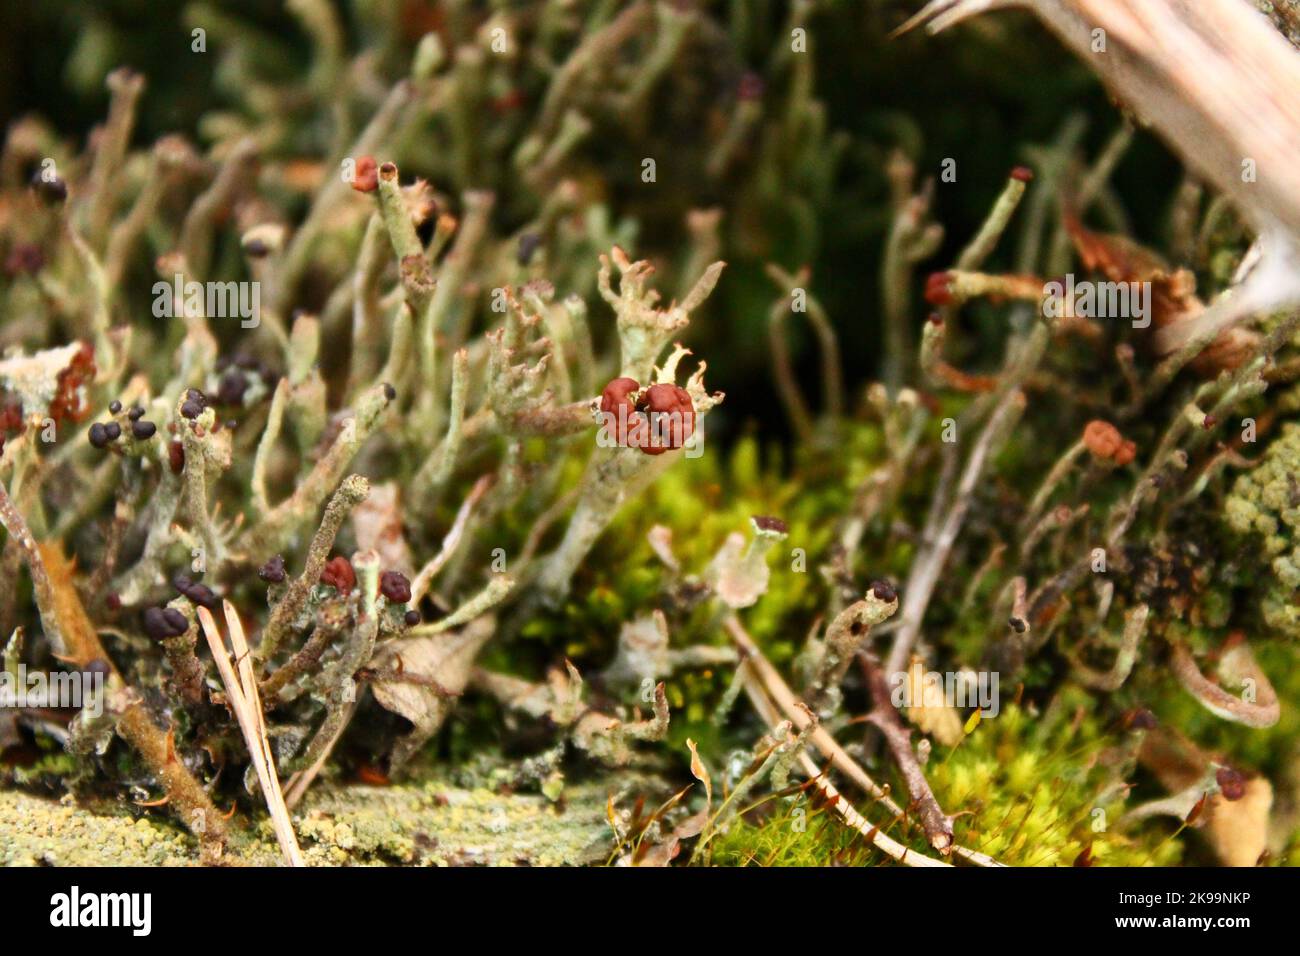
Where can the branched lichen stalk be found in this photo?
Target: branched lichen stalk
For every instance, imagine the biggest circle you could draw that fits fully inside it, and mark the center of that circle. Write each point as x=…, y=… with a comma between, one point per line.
x=351, y=492
x=286, y=519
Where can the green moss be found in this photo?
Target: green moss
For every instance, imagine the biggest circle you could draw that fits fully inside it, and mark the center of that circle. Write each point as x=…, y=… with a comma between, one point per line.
x=1033, y=790
x=792, y=834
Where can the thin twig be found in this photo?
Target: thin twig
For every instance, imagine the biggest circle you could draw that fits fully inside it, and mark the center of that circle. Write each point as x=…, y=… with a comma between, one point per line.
x=937, y=824
x=241, y=691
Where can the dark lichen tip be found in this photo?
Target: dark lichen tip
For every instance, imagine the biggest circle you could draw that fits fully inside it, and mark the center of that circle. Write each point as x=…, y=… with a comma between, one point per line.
x=1022, y=174
x=231, y=387
x=24, y=258
x=411, y=618
x=1017, y=624
x=529, y=243
x=97, y=667
x=884, y=591
x=1141, y=719
x=161, y=623
x=114, y=406
x=390, y=393
x=143, y=430
x=136, y=413
x=98, y=435
x=395, y=586
x=273, y=571
x=1232, y=783
x=51, y=190
x=113, y=431
x=769, y=523
x=196, y=591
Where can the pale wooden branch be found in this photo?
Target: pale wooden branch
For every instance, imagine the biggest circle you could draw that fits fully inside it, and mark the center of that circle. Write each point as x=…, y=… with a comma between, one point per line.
x=937, y=824
x=450, y=541
x=748, y=674
x=241, y=691
x=924, y=574
x=774, y=701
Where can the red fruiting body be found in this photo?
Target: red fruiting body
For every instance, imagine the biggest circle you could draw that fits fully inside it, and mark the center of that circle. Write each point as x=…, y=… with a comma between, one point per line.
x=616, y=394
x=750, y=87
x=339, y=575
x=507, y=101
x=1231, y=783
x=938, y=288
x=24, y=257
x=67, y=402
x=659, y=419
x=366, y=179
x=176, y=457
x=618, y=405
x=1022, y=173
x=372, y=776
x=1104, y=440
x=11, y=417
x=671, y=417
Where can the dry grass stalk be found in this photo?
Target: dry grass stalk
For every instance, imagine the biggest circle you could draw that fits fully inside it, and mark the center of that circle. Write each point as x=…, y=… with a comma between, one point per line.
x=241, y=691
